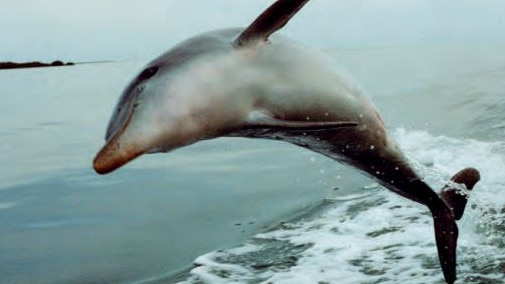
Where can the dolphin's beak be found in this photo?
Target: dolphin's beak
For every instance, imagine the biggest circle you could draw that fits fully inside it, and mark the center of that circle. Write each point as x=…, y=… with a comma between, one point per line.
x=115, y=154
x=121, y=147
x=124, y=142
x=144, y=125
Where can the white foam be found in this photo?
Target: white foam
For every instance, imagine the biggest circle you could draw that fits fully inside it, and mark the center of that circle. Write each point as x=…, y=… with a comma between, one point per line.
x=383, y=238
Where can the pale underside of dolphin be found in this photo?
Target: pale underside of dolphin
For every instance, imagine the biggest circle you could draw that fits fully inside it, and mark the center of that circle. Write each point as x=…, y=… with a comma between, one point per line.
x=252, y=83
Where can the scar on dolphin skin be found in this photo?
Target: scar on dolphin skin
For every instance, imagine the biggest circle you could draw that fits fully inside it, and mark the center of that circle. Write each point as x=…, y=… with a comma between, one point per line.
x=264, y=85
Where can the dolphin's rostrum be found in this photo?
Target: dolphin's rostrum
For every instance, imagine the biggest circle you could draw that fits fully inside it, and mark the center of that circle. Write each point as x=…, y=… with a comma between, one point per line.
x=253, y=83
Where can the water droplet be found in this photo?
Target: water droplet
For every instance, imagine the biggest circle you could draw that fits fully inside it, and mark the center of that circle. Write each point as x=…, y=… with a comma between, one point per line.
x=326, y=114
x=312, y=159
x=371, y=186
x=372, y=147
x=360, y=115
x=322, y=171
x=397, y=168
x=307, y=118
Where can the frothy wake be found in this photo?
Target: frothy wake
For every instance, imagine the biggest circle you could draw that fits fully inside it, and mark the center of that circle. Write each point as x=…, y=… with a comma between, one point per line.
x=381, y=238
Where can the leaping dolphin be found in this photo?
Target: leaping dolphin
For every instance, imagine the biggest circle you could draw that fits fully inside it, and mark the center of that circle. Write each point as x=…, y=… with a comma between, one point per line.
x=253, y=83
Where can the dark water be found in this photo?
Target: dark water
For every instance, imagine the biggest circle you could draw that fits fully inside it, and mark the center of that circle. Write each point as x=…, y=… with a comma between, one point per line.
x=60, y=222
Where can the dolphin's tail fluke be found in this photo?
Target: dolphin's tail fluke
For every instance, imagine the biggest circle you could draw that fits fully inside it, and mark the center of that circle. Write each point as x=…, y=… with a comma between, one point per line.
x=446, y=235
x=446, y=209
x=454, y=196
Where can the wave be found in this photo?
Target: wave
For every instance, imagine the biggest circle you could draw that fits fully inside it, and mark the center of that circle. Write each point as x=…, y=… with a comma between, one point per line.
x=7, y=205
x=381, y=237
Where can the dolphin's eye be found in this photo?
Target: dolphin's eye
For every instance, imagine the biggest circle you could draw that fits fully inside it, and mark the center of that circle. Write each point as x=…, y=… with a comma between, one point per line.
x=148, y=73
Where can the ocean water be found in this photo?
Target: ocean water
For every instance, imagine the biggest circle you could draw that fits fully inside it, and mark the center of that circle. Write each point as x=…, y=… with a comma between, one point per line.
x=249, y=211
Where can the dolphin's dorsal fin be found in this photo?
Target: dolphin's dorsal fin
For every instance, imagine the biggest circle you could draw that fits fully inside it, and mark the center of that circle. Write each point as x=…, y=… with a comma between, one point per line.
x=271, y=20
x=259, y=119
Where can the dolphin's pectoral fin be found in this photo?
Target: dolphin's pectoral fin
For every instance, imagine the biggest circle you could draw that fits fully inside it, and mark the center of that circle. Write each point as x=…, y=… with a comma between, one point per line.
x=302, y=125
x=262, y=120
x=271, y=20
x=455, y=197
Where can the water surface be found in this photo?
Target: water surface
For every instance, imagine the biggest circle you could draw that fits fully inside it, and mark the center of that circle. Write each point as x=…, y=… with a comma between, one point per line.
x=319, y=221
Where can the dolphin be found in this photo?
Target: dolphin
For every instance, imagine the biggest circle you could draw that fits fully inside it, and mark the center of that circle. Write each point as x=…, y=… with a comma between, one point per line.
x=253, y=83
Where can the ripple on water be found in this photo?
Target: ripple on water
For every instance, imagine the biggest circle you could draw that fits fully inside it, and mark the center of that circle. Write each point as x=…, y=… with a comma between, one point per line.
x=7, y=205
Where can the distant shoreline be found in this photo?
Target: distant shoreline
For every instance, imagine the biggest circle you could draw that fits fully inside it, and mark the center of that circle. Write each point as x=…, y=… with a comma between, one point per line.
x=33, y=64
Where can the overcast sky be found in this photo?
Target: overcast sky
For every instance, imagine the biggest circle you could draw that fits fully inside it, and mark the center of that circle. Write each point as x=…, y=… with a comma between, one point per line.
x=89, y=30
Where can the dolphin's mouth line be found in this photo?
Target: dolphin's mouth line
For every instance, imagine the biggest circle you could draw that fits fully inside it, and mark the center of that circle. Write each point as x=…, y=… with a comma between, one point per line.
x=126, y=104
